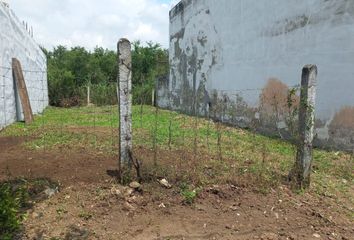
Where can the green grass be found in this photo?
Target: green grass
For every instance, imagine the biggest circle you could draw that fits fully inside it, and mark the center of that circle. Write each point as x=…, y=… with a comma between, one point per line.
x=188, y=149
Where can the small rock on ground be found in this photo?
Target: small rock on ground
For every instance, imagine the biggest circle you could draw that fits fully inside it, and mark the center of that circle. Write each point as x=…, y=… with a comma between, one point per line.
x=135, y=185
x=165, y=183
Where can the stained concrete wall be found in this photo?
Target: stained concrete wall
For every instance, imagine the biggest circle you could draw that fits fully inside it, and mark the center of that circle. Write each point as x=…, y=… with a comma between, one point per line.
x=16, y=42
x=228, y=59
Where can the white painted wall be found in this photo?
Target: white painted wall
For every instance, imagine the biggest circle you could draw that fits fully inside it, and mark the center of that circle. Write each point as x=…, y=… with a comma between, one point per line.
x=240, y=44
x=16, y=42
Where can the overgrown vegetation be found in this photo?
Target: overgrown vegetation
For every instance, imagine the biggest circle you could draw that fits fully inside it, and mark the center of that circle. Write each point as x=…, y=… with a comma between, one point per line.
x=189, y=193
x=70, y=71
x=217, y=154
x=16, y=196
x=10, y=217
x=149, y=63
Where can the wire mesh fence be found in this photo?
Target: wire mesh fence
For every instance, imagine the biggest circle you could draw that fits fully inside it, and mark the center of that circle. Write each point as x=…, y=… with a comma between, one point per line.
x=5, y=77
x=168, y=143
x=10, y=107
x=200, y=146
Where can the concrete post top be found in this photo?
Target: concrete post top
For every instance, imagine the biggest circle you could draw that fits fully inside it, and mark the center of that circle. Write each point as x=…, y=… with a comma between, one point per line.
x=309, y=74
x=124, y=52
x=123, y=41
x=310, y=67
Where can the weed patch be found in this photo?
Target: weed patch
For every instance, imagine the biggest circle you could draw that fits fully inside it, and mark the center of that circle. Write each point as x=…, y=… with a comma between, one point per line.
x=16, y=197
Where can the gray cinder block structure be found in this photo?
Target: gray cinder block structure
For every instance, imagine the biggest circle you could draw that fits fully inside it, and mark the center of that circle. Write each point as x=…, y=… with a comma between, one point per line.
x=17, y=42
x=240, y=62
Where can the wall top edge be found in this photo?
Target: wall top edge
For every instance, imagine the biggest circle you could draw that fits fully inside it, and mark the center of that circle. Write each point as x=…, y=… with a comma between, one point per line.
x=179, y=8
x=7, y=12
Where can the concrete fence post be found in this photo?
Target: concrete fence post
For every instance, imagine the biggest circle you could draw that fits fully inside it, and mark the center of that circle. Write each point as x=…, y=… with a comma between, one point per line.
x=88, y=95
x=153, y=98
x=300, y=175
x=125, y=104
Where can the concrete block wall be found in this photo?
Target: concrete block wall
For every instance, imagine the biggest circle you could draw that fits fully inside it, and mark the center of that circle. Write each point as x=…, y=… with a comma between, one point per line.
x=231, y=57
x=16, y=42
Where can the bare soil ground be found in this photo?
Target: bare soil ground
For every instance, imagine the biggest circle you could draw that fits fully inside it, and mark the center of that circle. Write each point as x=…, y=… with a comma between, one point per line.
x=90, y=205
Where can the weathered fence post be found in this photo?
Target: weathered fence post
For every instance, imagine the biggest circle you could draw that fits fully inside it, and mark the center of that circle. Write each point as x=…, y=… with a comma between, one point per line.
x=153, y=98
x=302, y=169
x=125, y=104
x=88, y=95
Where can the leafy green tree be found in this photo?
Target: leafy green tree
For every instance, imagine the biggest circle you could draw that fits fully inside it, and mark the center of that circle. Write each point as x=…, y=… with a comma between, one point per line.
x=71, y=70
x=149, y=62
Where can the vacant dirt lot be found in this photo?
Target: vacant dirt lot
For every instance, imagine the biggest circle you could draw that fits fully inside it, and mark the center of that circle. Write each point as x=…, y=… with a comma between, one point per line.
x=90, y=205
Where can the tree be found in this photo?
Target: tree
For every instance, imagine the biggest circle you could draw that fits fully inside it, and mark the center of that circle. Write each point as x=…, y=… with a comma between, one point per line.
x=149, y=62
x=70, y=70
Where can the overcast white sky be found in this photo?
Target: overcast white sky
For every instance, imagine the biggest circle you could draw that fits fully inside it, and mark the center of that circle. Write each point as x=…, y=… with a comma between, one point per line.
x=90, y=23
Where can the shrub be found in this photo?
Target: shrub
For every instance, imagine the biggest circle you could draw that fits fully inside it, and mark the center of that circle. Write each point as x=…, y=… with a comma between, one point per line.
x=101, y=94
x=10, y=218
x=343, y=119
x=188, y=193
x=142, y=94
x=15, y=199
